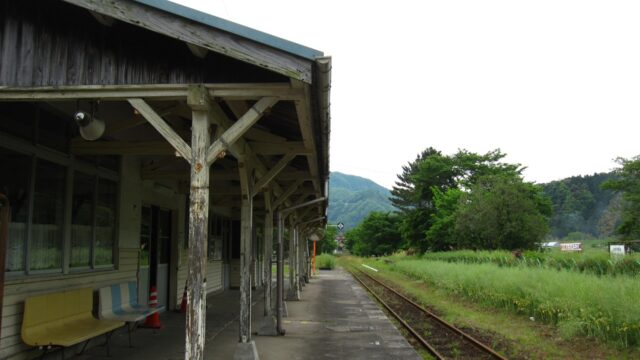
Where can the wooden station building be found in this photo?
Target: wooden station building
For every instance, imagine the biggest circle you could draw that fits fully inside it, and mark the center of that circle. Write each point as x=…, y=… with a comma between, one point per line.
x=143, y=140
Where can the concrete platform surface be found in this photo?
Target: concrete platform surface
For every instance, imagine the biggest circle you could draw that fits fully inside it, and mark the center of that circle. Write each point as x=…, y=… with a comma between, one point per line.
x=336, y=319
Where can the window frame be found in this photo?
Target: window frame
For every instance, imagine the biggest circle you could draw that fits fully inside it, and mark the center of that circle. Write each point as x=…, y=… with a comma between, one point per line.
x=71, y=165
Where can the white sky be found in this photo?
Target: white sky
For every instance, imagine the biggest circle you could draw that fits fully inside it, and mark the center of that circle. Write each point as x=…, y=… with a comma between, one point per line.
x=554, y=84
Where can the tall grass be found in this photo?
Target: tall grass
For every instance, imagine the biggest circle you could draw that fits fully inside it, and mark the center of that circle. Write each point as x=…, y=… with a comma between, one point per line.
x=325, y=261
x=601, y=307
x=598, y=263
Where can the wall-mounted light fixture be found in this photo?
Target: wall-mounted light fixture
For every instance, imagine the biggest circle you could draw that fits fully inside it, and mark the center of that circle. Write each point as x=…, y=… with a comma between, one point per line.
x=91, y=128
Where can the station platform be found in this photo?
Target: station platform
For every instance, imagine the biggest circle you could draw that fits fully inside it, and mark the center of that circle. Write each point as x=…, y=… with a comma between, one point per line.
x=335, y=319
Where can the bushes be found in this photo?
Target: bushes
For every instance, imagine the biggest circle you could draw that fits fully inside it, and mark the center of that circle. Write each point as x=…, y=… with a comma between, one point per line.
x=600, y=307
x=598, y=263
x=325, y=261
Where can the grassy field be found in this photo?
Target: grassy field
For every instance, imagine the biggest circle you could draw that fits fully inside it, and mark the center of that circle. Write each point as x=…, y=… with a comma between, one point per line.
x=551, y=313
x=597, y=262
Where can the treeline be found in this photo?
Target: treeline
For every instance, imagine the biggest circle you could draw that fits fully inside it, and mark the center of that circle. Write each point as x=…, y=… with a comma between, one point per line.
x=477, y=201
x=582, y=208
x=465, y=200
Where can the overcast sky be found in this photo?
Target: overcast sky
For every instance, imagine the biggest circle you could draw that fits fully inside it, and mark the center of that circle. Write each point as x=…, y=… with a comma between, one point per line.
x=554, y=84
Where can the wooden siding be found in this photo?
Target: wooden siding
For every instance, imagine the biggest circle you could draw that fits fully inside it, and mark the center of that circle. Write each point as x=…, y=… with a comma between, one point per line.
x=214, y=277
x=17, y=290
x=234, y=273
x=41, y=46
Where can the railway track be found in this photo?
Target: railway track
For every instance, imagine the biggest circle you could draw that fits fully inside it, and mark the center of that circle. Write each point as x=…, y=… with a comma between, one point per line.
x=438, y=337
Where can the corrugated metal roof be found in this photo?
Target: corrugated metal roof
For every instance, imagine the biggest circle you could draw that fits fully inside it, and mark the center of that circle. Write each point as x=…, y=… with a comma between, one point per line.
x=233, y=28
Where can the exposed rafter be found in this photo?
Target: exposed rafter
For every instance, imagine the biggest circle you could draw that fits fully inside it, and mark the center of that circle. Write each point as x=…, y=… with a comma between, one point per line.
x=273, y=172
x=303, y=108
x=235, y=131
x=163, y=128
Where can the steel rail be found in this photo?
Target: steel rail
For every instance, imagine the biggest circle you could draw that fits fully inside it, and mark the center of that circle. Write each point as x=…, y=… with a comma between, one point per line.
x=413, y=332
x=448, y=325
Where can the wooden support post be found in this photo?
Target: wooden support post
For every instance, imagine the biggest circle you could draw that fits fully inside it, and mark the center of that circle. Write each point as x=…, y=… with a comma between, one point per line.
x=294, y=290
x=246, y=221
x=198, y=225
x=280, y=275
x=4, y=234
x=268, y=250
x=246, y=348
x=300, y=242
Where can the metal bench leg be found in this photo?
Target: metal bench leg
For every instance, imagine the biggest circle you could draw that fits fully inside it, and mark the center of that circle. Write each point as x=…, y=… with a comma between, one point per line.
x=84, y=347
x=131, y=327
x=108, y=337
x=46, y=350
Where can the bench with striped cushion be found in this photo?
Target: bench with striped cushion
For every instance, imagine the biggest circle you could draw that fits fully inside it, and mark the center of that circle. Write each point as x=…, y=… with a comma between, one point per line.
x=120, y=302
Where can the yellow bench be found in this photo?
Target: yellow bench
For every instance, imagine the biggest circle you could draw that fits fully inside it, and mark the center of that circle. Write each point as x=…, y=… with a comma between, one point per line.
x=63, y=319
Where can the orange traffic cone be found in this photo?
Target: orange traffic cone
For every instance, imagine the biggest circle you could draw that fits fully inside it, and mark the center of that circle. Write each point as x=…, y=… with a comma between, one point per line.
x=153, y=320
x=183, y=304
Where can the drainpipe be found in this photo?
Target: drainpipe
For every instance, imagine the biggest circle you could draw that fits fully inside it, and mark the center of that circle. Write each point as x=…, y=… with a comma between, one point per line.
x=280, y=266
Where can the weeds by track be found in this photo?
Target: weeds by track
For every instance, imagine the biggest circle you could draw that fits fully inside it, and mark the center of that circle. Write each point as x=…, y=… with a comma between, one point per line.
x=438, y=337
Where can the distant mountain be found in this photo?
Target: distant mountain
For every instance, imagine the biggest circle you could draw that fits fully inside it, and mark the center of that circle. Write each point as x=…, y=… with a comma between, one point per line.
x=352, y=198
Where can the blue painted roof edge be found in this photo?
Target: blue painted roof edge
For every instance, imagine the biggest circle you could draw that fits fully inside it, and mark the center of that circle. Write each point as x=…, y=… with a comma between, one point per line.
x=234, y=28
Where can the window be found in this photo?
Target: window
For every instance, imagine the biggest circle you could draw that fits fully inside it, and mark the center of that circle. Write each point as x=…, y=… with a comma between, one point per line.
x=217, y=229
x=16, y=188
x=56, y=203
x=92, y=227
x=45, y=240
x=105, y=222
x=82, y=216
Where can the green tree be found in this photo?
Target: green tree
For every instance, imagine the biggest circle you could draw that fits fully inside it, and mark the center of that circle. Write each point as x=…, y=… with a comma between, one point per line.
x=441, y=235
x=328, y=242
x=501, y=212
x=432, y=172
x=628, y=183
x=376, y=235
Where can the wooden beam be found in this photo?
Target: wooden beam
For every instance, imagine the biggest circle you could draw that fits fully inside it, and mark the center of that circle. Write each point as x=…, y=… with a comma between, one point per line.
x=209, y=37
x=83, y=147
x=163, y=128
x=290, y=175
x=284, y=196
x=93, y=92
x=241, y=145
x=198, y=51
x=124, y=125
x=303, y=108
x=227, y=91
x=233, y=133
x=273, y=172
x=195, y=330
x=239, y=108
x=255, y=92
x=268, y=148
